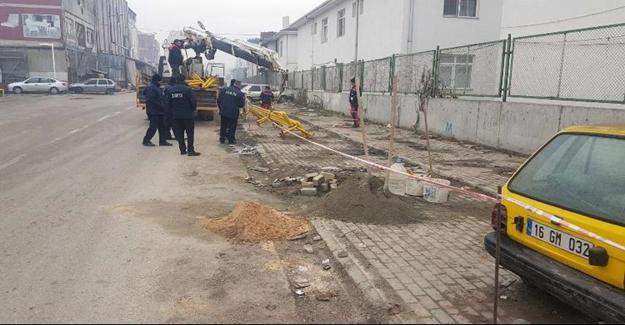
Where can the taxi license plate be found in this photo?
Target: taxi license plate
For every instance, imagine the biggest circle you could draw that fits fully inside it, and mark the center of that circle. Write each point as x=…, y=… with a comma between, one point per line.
x=559, y=239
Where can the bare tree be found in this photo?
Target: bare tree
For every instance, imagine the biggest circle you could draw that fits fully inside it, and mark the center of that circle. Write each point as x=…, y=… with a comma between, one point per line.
x=426, y=90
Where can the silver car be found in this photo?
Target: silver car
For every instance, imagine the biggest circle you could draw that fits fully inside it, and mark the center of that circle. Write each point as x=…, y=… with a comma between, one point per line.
x=94, y=86
x=38, y=85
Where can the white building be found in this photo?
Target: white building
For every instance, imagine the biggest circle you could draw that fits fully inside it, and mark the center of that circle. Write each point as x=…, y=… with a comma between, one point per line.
x=327, y=33
x=530, y=17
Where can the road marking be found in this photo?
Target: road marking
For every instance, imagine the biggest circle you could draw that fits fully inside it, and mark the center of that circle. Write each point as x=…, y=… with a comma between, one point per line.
x=12, y=162
x=104, y=118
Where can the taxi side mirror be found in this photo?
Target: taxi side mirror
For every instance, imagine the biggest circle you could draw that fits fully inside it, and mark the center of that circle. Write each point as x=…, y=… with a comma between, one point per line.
x=598, y=256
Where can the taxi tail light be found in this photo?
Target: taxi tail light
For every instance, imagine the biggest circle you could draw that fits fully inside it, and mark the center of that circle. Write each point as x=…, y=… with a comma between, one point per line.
x=504, y=217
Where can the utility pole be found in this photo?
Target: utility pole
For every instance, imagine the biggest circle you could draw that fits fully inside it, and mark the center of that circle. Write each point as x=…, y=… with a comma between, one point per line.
x=363, y=126
x=53, y=57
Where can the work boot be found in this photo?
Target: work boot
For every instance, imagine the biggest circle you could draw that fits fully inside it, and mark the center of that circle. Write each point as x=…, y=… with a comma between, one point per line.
x=183, y=153
x=148, y=144
x=194, y=154
x=165, y=144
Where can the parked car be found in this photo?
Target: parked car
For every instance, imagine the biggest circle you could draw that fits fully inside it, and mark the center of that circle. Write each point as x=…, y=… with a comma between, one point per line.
x=95, y=86
x=253, y=91
x=38, y=85
x=579, y=177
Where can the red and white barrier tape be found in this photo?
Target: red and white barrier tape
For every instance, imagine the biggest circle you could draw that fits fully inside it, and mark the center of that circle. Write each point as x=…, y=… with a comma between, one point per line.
x=477, y=196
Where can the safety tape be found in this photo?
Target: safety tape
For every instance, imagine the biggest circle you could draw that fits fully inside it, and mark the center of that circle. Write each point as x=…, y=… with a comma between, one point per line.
x=477, y=196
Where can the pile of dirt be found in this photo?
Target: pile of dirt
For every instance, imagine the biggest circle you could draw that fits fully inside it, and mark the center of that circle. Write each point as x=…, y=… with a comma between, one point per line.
x=362, y=200
x=253, y=222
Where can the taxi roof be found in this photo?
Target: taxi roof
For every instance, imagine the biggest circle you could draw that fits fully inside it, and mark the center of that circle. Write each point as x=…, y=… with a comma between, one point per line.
x=606, y=129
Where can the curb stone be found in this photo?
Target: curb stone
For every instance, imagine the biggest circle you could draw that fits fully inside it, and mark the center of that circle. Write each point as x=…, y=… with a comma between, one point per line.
x=364, y=279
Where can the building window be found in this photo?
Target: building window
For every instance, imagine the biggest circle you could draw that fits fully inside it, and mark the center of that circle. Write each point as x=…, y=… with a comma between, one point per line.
x=324, y=30
x=340, y=25
x=313, y=28
x=460, y=8
x=455, y=71
x=354, y=7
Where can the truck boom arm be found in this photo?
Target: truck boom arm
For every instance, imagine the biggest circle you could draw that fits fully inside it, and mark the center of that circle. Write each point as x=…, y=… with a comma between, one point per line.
x=208, y=43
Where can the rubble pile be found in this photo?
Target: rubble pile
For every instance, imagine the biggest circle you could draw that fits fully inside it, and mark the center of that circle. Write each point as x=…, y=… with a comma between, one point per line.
x=253, y=222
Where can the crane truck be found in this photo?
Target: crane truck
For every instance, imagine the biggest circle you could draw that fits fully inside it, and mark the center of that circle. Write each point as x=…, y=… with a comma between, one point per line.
x=205, y=85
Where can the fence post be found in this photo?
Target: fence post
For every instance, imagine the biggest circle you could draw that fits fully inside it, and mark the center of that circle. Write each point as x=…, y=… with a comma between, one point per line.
x=435, y=69
x=339, y=71
x=561, y=65
x=362, y=73
x=313, y=71
x=508, y=69
x=503, y=66
x=302, y=78
x=391, y=77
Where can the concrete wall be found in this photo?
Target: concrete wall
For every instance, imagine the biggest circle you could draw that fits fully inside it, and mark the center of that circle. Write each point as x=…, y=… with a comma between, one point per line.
x=512, y=126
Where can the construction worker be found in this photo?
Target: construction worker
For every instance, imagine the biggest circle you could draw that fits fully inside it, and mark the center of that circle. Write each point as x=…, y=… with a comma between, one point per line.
x=353, y=102
x=230, y=102
x=156, y=113
x=266, y=98
x=182, y=102
x=175, y=58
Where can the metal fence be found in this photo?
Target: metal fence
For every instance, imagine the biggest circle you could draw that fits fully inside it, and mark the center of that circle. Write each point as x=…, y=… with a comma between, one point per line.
x=376, y=75
x=473, y=70
x=410, y=67
x=584, y=65
x=333, y=77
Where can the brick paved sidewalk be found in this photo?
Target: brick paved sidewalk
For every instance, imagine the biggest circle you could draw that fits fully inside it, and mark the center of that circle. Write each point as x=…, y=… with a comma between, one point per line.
x=435, y=267
x=480, y=167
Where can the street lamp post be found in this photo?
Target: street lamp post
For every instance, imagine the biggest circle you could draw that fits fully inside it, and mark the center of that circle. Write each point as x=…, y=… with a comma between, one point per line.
x=53, y=57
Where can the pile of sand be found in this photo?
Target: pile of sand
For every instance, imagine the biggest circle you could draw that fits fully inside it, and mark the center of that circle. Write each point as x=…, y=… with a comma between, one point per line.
x=252, y=222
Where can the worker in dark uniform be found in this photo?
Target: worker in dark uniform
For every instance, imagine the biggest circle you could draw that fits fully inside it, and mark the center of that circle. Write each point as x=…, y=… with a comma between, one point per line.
x=266, y=98
x=353, y=102
x=169, y=118
x=156, y=113
x=230, y=102
x=181, y=101
x=175, y=58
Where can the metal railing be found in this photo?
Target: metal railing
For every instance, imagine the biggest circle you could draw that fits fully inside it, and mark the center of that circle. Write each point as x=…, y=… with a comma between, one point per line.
x=581, y=65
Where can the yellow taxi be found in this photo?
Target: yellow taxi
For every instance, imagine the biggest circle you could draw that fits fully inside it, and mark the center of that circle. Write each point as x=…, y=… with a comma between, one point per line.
x=579, y=177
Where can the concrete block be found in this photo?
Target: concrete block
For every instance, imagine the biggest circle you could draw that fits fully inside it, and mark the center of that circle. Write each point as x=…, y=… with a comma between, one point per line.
x=324, y=187
x=308, y=185
x=328, y=176
x=310, y=177
x=318, y=180
x=309, y=191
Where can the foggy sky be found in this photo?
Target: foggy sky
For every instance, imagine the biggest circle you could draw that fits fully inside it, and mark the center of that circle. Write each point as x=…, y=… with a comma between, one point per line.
x=240, y=19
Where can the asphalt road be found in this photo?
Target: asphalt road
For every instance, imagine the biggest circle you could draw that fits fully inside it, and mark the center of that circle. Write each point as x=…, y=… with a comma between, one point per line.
x=96, y=228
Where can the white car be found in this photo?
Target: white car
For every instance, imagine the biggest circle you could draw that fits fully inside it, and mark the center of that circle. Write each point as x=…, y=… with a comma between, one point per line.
x=253, y=91
x=38, y=85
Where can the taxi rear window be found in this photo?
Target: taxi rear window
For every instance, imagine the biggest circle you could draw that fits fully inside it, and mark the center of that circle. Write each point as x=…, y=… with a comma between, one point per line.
x=580, y=173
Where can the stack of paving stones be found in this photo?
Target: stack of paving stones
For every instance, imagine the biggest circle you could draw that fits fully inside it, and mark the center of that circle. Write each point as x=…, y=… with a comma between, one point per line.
x=315, y=183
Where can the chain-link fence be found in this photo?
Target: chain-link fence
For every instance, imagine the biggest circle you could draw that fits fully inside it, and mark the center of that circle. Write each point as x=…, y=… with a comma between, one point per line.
x=586, y=65
x=333, y=78
x=349, y=72
x=473, y=70
x=377, y=75
x=319, y=78
x=410, y=67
